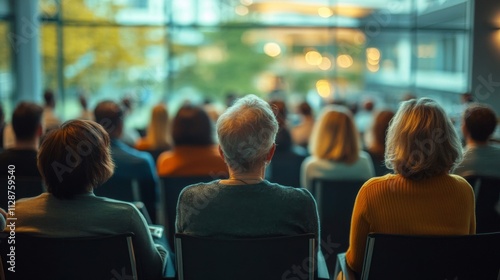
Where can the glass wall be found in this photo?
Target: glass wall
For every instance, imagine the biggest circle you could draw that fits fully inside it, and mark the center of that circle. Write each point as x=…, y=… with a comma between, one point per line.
x=6, y=75
x=151, y=51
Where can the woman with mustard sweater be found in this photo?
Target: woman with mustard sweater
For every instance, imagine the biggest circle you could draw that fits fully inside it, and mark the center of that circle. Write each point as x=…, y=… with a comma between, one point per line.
x=421, y=198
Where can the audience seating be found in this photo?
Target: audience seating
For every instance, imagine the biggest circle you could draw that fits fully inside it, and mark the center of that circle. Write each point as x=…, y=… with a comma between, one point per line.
x=171, y=189
x=130, y=190
x=284, y=169
x=487, y=193
x=83, y=258
x=335, y=200
x=287, y=257
x=25, y=187
x=395, y=257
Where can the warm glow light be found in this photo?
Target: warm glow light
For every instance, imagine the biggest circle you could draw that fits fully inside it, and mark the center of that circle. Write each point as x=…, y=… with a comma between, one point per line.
x=372, y=68
x=373, y=54
x=325, y=64
x=325, y=12
x=272, y=49
x=241, y=10
x=324, y=89
x=426, y=51
x=344, y=61
x=314, y=57
x=246, y=2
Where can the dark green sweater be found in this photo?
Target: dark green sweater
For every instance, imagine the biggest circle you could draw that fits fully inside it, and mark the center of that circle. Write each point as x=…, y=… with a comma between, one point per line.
x=258, y=210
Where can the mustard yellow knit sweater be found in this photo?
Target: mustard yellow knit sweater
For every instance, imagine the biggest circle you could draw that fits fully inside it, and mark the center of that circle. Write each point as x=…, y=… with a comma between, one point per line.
x=441, y=205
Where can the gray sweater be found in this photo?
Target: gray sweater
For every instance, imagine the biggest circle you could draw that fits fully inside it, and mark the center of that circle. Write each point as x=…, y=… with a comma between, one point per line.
x=89, y=215
x=258, y=210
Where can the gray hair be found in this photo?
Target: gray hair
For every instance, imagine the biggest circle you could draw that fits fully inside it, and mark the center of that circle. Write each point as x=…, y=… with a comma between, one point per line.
x=246, y=132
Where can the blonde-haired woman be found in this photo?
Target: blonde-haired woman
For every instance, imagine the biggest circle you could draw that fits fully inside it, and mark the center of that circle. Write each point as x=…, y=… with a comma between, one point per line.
x=335, y=149
x=421, y=198
x=156, y=138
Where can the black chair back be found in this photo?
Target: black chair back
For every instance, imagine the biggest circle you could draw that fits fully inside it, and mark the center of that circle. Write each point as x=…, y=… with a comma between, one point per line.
x=171, y=189
x=335, y=200
x=131, y=190
x=82, y=258
x=284, y=169
x=432, y=257
x=288, y=257
x=487, y=193
x=23, y=187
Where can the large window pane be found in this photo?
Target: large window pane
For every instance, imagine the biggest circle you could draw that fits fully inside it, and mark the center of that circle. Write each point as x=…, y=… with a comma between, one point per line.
x=112, y=63
x=6, y=76
x=122, y=12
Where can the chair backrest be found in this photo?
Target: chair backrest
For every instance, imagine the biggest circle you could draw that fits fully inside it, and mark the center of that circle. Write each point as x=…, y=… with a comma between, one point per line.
x=83, y=258
x=125, y=189
x=287, y=257
x=284, y=169
x=24, y=187
x=432, y=257
x=171, y=189
x=335, y=200
x=487, y=193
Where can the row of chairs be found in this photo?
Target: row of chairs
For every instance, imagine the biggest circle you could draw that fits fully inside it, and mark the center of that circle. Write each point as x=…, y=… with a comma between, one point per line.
x=292, y=257
x=335, y=199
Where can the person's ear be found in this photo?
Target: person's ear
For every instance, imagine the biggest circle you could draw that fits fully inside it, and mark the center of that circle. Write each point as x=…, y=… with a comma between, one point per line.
x=270, y=154
x=221, y=153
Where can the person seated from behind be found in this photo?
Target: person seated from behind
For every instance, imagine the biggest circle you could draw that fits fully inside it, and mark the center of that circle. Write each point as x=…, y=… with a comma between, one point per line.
x=421, y=198
x=50, y=119
x=247, y=131
x=302, y=132
x=375, y=141
x=481, y=157
x=130, y=163
x=73, y=160
x=335, y=149
x=27, y=126
x=194, y=152
x=156, y=139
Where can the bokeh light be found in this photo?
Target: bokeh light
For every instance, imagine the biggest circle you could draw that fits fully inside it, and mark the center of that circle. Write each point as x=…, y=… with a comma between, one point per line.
x=272, y=49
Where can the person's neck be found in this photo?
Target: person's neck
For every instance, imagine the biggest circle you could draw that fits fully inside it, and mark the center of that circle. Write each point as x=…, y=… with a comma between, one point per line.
x=27, y=145
x=473, y=143
x=247, y=178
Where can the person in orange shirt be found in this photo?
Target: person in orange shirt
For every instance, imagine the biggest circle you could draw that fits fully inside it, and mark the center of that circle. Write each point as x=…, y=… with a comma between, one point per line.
x=194, y=152
x=422, y=197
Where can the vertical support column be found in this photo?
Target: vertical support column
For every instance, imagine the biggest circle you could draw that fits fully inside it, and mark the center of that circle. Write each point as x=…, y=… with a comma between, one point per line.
x=485, y=55
x=25, y=41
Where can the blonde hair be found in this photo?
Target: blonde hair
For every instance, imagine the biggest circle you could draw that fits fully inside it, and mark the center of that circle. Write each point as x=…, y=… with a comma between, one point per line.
x=421, y=140
x=334, y=136
x=157, y=133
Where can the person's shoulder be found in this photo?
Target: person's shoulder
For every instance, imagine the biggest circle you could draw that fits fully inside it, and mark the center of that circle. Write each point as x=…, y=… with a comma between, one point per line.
x=290, y=192
x=380, y=183
x=364, y=154
x=201, y=187
x=130, y=152
x=115, y=204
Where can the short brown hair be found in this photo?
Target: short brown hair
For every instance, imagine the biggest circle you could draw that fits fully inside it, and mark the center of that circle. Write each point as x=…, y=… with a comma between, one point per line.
x=334, y=136
x=421, y=140
x=75, y=158
x=480, y=121
x=26, y=119
x=192, y=126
